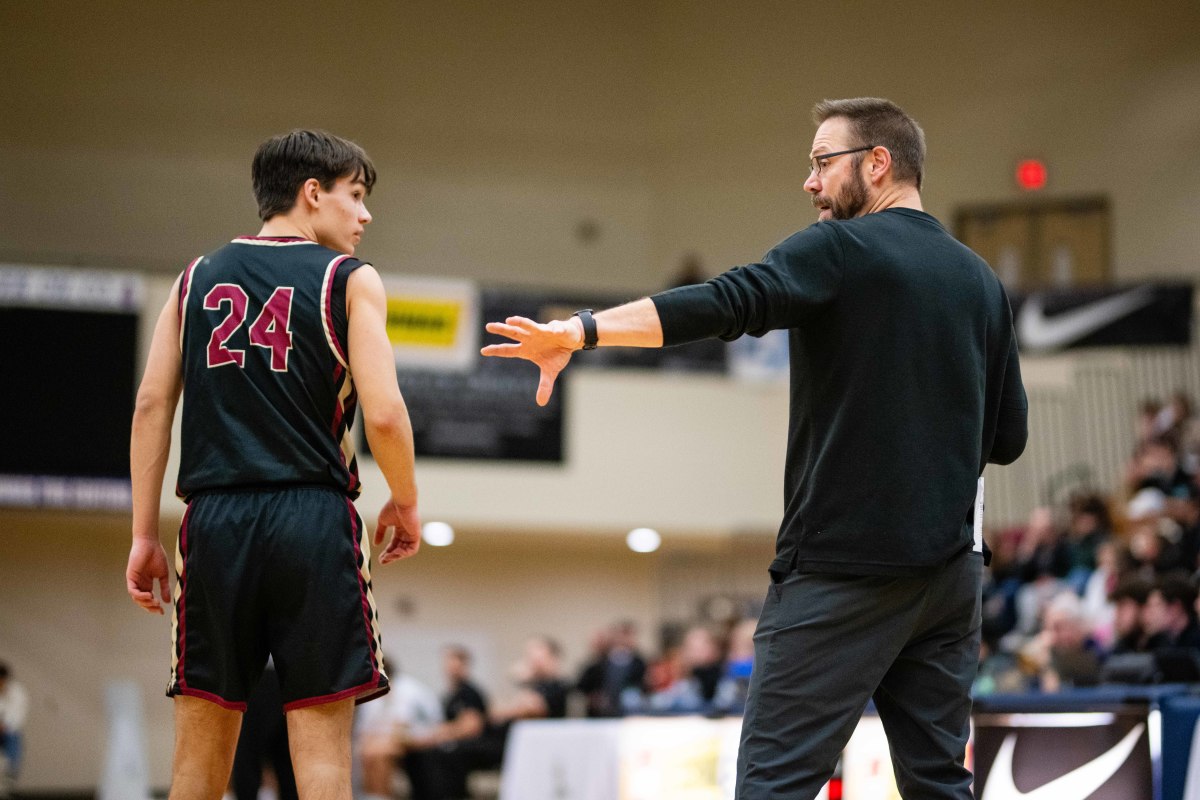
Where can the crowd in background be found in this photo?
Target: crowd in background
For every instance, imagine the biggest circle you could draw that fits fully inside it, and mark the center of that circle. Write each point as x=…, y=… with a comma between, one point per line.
x=1103, y=588
x=439, y=741
x=1095, y=588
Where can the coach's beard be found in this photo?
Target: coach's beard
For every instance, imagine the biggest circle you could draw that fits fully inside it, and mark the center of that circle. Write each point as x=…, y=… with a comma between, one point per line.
x=850, y=201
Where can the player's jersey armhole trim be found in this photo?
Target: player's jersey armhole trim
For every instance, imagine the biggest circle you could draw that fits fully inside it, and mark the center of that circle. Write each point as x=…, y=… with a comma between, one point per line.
x=185, y=290
x=335, y=345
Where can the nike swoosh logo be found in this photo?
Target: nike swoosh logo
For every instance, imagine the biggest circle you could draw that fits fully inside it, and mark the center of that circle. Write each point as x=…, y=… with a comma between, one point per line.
x=1036, y=331
x=1078, y=784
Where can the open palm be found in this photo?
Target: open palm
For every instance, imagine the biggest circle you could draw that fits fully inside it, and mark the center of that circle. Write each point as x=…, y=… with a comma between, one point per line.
x=548, y=345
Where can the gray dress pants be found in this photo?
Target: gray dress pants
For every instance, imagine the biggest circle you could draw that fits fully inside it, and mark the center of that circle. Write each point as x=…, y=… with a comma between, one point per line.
x=827, y=643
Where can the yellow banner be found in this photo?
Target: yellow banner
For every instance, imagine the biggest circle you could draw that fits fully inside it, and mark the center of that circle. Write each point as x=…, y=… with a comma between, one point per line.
x=422, y=323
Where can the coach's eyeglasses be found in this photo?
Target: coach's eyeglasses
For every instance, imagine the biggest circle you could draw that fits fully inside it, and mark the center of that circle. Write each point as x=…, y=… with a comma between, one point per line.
x=818, y=162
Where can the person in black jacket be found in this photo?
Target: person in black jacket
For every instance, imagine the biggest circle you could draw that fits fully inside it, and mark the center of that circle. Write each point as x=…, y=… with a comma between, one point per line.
x=905, y=385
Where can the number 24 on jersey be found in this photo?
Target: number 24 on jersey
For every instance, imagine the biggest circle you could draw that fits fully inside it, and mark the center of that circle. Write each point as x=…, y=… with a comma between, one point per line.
x=271, y=329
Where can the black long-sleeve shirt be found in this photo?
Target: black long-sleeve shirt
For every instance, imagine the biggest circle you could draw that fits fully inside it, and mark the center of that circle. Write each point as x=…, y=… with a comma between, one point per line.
x=905, y=383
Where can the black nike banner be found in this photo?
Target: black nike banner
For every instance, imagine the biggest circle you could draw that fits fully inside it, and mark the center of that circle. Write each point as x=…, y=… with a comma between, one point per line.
x=1131, y=315
x=1099, y=754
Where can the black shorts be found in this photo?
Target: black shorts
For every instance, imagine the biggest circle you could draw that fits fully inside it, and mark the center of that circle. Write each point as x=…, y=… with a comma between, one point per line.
x=284, y=573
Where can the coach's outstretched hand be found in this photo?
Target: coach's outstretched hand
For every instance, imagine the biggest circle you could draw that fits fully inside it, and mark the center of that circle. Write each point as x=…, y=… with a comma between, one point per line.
x=147, y=566
x=406, y=538
x=549, y=346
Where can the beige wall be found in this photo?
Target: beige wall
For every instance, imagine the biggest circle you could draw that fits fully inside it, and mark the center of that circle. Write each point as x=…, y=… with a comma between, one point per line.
x=127, y=127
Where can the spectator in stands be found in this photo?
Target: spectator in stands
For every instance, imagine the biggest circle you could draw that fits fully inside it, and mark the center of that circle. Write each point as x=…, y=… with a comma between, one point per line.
x=1170, y=614
x=1146, y=426
x=664, y=671
x=1090, y=525
x=700, y=657
x=1066, y=654
x=1185, y=512
x=1043, y=560
x=14, y=708
x=1174, y=419
x=383, y=730
x=614, y=681
x=734, y=686
x=591, y=678
x=542, y=694
x=1129, y=599
x=1155, y=540
x=1043, y=551
x=1155, y=465
x=465, y=710
x=1000, y=585
x=1097, y=591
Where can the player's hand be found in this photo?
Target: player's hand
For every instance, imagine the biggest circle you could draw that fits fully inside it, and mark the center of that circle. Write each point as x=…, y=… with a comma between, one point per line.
x=406, y=536
x=549, y=346
x=148, y=565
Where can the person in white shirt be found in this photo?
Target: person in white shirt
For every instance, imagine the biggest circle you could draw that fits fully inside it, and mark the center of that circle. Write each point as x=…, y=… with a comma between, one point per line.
x=14, y=708
x=383, y=729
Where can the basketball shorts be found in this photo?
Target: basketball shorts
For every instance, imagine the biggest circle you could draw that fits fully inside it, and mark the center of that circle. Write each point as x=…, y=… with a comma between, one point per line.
x=282, y=573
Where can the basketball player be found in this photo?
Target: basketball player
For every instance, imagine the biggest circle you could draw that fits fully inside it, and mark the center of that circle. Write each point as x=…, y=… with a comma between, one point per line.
x=905, y=384
x=273, y=339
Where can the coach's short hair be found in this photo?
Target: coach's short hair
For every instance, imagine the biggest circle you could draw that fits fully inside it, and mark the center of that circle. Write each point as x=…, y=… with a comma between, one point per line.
x=882, y=123
x=283, y=163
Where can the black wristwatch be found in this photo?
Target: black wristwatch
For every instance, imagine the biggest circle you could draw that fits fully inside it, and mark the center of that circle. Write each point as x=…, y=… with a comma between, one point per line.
x=590, y=337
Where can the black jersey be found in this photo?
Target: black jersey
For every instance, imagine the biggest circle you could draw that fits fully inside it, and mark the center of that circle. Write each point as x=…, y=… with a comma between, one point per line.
x=905, y=384
x=268, y=399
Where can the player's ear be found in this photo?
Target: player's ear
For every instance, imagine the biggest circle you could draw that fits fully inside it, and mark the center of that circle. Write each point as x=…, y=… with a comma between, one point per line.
x=310, y=193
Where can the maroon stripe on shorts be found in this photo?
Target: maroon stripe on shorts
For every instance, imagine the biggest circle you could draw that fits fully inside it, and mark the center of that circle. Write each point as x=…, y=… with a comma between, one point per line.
x=362, y=588
x=181, y=608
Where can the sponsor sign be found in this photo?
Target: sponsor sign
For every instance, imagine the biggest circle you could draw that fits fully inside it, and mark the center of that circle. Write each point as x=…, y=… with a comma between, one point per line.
x=433, y=323
x=70, y=289
x=1093, y=755
x=1146, y=314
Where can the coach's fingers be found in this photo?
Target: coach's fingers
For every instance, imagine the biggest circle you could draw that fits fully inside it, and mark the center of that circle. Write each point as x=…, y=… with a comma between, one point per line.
x=164, y=589
x=511, y=331
x=525, y=324
x=506, y=350
x=546, y=385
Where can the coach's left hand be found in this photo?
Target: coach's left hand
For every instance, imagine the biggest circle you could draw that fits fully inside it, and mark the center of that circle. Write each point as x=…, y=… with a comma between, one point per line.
x=549, y=346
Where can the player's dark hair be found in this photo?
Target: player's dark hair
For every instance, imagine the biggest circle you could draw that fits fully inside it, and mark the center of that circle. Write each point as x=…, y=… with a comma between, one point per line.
x=882, y=123
x=3, y=671
x=283, y=163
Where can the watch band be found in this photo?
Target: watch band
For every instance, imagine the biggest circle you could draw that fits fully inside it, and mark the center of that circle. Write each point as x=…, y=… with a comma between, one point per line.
x=590, y=336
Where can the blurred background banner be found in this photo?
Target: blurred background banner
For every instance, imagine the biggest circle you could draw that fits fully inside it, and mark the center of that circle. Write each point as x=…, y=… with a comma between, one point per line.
x=433, y=323
x=70, y=354
x=1132, y=315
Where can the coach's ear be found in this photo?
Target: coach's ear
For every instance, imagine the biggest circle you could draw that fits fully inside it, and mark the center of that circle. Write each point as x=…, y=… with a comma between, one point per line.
x=878, y=164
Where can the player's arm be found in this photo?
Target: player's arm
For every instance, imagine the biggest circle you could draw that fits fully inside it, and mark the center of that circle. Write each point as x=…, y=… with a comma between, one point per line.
x=149, y=444
x=800, y=275
x=550, y=345
x=385, y=416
